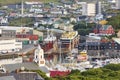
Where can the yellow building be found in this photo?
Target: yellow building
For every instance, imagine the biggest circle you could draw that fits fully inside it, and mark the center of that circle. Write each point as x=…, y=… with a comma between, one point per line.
x=69, y=40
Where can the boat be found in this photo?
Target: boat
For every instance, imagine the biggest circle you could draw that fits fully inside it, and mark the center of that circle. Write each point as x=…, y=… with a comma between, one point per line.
x=94, y=36
x=82, y=56
x=49, y=41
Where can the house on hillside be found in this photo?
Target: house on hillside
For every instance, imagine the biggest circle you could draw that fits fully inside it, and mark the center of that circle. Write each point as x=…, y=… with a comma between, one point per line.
x=104, y=30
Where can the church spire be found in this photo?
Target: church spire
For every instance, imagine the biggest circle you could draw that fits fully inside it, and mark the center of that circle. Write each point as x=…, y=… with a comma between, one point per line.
x=39, y=47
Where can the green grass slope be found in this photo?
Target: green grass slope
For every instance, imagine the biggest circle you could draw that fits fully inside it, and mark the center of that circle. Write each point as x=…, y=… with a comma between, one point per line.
x=4, y=2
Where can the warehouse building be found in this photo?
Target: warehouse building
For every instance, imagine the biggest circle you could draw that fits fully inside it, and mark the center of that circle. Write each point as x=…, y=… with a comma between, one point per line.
x=9, y=45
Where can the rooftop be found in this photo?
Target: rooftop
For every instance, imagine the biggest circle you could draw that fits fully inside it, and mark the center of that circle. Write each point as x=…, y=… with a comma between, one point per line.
x=7, y=78
x=6, y=38
x=20, y=76
x=69, y=35
x=26, y=65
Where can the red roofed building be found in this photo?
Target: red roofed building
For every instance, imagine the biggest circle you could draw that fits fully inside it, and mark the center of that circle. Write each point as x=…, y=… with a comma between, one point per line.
x=59, y=73
x=106, y=30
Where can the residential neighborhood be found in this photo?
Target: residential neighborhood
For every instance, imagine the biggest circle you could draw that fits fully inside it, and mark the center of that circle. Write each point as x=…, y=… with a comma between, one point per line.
x=56, y=39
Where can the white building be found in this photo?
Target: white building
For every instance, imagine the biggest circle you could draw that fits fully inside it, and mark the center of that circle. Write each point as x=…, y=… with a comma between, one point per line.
x=3, y=20
x=9, y=45
x=39, y=56
x=67, y=5
x=11, y=61
x=91, y=9
x=18, y=30
x=84, y=8
x=56, y=12
x=112, y=1
x=117, y=4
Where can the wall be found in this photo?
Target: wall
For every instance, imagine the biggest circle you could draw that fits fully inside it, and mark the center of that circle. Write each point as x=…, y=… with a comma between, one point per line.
x=91, y=9
x=9, y=45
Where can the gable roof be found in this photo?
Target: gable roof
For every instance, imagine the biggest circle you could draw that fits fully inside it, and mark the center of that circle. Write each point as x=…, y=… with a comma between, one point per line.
x=20, y=76
x=44, y=69
x=26, y=65
x=105, y=27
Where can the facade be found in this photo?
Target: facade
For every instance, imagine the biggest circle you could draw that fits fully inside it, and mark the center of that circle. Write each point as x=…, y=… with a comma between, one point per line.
x=39, y=56
x=106, y=30
x=9, y=45
x=15, y=28
x=84, y=8
x=23, y=34
x=69, y=40
x=117, y=4
x=98, y=7
x=91, y=9
x=7, y=33
x=56, y=11
x=11, y=61
x=12, y=31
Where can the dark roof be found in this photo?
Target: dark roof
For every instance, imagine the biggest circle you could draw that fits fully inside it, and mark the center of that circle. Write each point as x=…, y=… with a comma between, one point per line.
x=22, y=76
x=7, y=78
x=26, y=65
x=98, y=26
x=90, y=44
x=44, y=69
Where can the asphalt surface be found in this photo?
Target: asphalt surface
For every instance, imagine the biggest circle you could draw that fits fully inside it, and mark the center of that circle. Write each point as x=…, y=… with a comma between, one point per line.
x=26, y=48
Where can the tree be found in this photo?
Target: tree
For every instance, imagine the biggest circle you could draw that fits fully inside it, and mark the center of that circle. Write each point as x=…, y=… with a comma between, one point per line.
x=114, y=67
x=114, y=21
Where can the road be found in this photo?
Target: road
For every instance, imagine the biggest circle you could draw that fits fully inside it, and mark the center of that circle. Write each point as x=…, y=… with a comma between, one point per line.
x=26, y=48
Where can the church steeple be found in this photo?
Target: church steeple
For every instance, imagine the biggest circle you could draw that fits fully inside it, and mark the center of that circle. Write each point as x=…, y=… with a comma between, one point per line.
x=39, y=56
x=39, y=47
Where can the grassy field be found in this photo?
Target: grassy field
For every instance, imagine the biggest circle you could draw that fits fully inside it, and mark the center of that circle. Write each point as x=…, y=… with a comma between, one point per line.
x=4, y=2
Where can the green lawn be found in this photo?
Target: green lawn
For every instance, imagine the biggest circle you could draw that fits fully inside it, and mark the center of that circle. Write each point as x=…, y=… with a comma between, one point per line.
x=3, y=2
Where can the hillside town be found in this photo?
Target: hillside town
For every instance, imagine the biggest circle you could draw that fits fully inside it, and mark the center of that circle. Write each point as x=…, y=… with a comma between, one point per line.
x=41, y=41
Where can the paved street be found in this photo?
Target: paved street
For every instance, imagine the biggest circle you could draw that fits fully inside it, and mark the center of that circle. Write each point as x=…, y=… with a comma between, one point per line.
x=26, y=48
